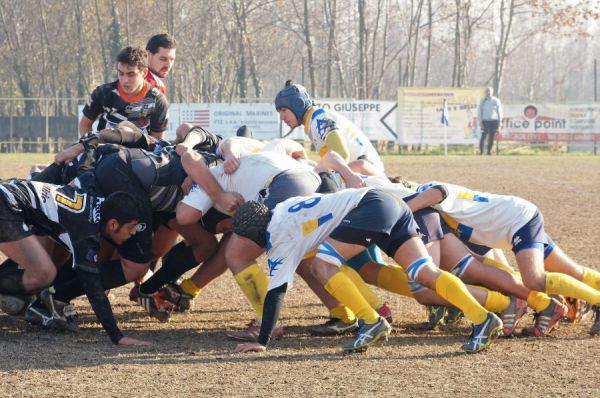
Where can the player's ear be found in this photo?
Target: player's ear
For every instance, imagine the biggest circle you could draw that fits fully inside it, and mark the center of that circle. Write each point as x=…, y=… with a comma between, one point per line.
x=112, y=225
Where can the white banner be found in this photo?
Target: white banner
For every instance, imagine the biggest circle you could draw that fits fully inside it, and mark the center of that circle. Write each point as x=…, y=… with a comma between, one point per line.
x=551, y=122
x=419, y=115
x=377, y=119
x=225, y=119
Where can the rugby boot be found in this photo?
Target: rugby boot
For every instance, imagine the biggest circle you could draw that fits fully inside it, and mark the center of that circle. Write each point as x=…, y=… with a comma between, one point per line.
x=546, y=320
x=512, y=315
x=15, y=304
x=453, y=315
x=156, y=305
x=334, y=327
x=368, y=334
x=385, y=312
x=483, y=334
x=64, y=314
x=435, y=316
x=252, y=330
x=174, y=294
x=37, y=314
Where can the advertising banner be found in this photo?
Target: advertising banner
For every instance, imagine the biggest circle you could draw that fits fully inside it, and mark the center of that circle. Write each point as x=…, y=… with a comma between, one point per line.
x=377, y=119
x=225, y=119
x=551, y=122
x=419, y=115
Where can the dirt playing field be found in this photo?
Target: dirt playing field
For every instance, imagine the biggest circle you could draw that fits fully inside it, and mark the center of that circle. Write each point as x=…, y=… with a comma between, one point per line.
x=191, y=356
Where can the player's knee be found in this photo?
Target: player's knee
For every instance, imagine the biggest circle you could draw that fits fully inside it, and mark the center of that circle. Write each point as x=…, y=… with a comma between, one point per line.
x=319, y=271
x=43, y=277
x=535, y=282
x=185, y=218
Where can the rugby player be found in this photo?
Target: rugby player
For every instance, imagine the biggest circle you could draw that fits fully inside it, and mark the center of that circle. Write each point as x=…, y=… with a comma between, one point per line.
x=129, y=98
x=327, y=130
x=78, y=220
x=340, y=226
x=510, y=222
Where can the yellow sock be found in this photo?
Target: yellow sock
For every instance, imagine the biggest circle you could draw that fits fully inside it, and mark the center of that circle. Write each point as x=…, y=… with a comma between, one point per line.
x=254, y=282
x=189, y=287
x=557, y=283
x=452, y=289
x=496, y=301
x=538, y=301
x=342, y=288
x=394, y=279
x=343, y=313
x=497, y=264
x=362, y=287
x=591, y=277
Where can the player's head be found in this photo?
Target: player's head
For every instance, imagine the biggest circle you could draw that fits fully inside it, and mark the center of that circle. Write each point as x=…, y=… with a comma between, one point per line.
x=161, y=53
x=131, y=65
x=292, y=102
x=489, y=91
x=251, y=221
x=244, y=131
x=119, y=216
x=403, y=181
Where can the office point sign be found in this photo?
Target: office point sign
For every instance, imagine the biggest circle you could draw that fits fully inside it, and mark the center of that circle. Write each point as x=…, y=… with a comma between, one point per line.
x=543, y=122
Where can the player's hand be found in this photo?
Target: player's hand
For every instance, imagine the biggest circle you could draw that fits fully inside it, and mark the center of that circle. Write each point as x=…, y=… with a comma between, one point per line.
x=231, y=164
x=181, y=148
x=186, y=186
x=354, y=181
x=131, y=341
x=229, y=201
x=68, y=154
x=249, y=347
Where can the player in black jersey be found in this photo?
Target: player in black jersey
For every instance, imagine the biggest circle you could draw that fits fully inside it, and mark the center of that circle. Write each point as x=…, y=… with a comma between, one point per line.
x=129, y=98
x=78, y=220
x=155, y=175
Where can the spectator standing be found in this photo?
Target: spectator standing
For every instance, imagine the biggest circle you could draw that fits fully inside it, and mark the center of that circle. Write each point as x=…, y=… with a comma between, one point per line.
x=490, y=117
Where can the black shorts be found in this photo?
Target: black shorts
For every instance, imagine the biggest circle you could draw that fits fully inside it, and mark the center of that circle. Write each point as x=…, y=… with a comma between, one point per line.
x=377, y=219
x=210, y=220
x=12, y=225
x=161, y=219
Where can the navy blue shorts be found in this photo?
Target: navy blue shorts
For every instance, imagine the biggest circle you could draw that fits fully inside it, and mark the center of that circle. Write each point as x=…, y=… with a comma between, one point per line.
x=290, y=183
x=377, y=219
x=480, y=250
x=431, y=225
x=532, y=235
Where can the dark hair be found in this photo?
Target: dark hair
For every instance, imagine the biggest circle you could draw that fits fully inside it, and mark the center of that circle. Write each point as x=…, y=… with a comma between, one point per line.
x=163, y=40
x=133, y=56
x=244, y=131
x=120, y=206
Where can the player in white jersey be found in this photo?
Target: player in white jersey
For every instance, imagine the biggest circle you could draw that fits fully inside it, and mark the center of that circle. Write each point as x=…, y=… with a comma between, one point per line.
x=233, y=148
x=328, y=130
x=340, y=226
x=450, y=254
x=511, y=222
x=271, y=176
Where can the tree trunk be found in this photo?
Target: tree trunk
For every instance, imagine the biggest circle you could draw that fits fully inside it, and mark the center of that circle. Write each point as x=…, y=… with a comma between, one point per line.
x=309, y=51
x=429, y=36
x=330, y=17
x=107, y=65
x=362, y=50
